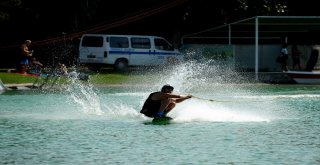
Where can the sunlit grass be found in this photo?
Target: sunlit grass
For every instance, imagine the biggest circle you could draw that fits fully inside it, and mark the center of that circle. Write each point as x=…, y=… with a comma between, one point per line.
x=15, y=78
x=95, y=78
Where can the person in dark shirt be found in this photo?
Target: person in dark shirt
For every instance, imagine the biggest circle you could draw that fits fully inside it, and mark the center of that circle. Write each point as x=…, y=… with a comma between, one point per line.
x=295, y=54
x=160, y=103
x=313, y=58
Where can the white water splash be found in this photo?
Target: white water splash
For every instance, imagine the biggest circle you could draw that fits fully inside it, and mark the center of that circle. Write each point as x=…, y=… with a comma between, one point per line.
x=194, y=110
x=216, y=81
x=116, y=110
x=83, y=94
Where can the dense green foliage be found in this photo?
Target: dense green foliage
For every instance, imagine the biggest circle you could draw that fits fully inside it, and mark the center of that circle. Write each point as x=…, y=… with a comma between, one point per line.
x=38, y=19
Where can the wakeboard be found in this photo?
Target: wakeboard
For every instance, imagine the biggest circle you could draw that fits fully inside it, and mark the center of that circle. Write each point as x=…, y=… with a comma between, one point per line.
x=162, y=120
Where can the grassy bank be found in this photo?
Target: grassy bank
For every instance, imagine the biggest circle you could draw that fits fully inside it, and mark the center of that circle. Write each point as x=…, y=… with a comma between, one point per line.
x=14, y=78
x=95, y=78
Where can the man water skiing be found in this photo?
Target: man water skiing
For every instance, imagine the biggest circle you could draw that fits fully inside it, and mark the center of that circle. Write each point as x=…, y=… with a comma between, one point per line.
x=159, y=104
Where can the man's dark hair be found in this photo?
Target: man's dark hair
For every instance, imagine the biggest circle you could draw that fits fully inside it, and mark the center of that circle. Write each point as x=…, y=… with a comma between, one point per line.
x=169, y=87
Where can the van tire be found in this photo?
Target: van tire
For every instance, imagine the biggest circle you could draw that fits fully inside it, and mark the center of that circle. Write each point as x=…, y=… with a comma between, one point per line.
x=121, y=65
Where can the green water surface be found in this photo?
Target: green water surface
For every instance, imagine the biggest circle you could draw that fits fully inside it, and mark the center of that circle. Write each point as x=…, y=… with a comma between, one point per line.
x=245, y=124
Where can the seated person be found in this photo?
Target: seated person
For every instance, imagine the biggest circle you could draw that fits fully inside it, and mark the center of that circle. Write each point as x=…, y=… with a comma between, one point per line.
x=34, y=66
x=62, y=70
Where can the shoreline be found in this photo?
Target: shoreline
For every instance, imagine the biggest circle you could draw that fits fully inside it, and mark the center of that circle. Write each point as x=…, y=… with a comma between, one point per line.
x=29, y=86
x=25, y=86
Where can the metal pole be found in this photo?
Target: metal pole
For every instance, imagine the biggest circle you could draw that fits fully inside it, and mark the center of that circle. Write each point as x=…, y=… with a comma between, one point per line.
x=257, y=48
x=229, y=34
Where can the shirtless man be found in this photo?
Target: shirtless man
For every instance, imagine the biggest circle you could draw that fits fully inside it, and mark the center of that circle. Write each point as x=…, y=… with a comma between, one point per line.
x=25, y=54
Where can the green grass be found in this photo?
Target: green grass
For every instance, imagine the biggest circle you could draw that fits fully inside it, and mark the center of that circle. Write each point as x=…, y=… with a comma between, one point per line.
x=95, y=78
x=106, y=76
x=14, y=78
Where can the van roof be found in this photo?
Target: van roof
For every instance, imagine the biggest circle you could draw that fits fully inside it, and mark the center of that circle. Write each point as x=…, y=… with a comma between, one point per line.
x=122, y=35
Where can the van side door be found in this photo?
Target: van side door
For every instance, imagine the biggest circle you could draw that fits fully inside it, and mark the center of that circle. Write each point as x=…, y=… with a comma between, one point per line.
x=119, y=49
x=141, y=51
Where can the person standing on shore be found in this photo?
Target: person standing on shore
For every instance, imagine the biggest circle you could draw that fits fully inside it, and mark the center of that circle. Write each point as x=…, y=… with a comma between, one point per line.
x=284, y=56
x=295, y=54
x=25, y=54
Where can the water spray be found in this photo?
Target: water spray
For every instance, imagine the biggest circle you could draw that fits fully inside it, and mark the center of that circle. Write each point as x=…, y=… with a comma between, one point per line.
x=227, y=100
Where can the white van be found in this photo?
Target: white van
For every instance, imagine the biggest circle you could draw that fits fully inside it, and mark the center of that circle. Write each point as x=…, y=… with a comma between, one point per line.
x=97, y=50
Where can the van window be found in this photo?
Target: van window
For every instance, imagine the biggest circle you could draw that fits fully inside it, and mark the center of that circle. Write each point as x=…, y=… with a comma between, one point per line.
x=92, y=41
x=140, y=43
x=162, y=44
x=119, y=42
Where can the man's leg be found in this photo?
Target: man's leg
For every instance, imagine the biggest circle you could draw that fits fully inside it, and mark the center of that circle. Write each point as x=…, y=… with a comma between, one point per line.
x=169, y=107
x=23, y=68
x=166, y=106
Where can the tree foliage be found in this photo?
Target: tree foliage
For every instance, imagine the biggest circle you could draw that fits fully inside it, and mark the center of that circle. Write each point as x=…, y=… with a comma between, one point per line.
x=7, y=9
x=41, y=19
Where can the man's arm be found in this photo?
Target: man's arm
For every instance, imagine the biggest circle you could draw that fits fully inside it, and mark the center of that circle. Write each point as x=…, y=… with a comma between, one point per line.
x=178, y=98
x=26, y=51
x=183, y=98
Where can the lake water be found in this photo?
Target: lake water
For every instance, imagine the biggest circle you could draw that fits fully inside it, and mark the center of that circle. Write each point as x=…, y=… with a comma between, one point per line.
x=84, y=124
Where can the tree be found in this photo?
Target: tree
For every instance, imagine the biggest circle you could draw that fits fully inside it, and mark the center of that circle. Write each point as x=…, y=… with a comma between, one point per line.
x=7, y=9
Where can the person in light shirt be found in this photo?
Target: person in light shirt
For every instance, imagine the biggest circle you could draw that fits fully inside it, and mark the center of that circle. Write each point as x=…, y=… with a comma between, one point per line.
x=284, y=56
